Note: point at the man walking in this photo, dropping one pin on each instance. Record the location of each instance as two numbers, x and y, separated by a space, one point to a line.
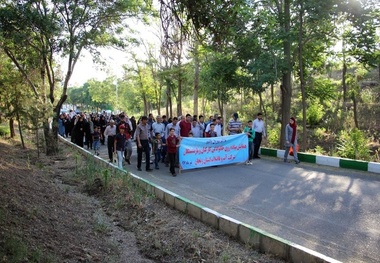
142 139
110 133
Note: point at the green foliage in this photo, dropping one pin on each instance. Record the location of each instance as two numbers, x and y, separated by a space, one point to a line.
274 136
14 250
219 76
314 113
319 133
322 90
354 145
318 150
4 131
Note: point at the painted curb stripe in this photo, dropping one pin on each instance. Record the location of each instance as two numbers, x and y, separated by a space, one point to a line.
352 164
327 160
269 152
374 167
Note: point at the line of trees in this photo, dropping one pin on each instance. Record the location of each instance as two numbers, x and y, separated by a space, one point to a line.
227 52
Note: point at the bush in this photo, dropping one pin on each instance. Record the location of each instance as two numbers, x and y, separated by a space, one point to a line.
4 131
319 133
314 113
274 136
354 145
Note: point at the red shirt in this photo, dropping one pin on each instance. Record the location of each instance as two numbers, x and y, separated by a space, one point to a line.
171 143
185 128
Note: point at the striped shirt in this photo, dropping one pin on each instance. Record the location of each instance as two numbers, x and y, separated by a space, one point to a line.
234 124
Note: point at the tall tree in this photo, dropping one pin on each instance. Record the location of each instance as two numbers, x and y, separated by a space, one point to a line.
35 33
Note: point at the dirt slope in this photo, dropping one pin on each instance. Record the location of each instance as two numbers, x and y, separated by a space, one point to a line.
43 219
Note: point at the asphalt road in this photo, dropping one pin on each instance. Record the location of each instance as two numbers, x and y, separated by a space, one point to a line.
333 211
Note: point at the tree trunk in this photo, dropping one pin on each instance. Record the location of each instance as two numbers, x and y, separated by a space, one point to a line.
167 106
203 106
51 136
12 128
20 130
272 96
145 105
159 99
179 97
196 78
344 72
263 110
262 107
167 101
302 79
286 88
171 106
179 61
355 111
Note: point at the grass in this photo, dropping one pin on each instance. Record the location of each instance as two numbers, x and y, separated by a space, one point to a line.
14 250
101 224
100 180
4 131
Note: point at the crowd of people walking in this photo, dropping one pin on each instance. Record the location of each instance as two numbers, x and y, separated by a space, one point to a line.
160 137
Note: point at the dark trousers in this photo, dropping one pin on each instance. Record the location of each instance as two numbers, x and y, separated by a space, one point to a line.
89 141
102 129
172 157
157 158
257 143
110 145
144 148
164 149
250 150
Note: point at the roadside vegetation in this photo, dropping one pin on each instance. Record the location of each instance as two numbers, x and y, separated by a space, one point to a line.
68 209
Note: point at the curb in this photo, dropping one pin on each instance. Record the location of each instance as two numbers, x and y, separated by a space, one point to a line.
257 238
327 160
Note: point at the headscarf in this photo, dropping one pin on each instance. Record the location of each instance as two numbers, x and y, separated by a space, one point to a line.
294 127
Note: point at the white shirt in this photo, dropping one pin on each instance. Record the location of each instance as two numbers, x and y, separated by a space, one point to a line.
110 131
259 126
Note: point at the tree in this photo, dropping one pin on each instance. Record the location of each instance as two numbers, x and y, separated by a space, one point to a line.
35 33
219 77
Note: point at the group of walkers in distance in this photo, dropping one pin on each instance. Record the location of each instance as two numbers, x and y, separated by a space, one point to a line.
160 136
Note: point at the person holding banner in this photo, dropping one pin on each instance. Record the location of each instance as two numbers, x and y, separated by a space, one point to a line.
172 143
211 132
251 136
234 125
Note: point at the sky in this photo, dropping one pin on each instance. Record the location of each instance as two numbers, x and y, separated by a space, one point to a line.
85 69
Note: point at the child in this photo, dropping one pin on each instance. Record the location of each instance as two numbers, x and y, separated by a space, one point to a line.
211 132
119 145
251 135
172 143
157 148
96 136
